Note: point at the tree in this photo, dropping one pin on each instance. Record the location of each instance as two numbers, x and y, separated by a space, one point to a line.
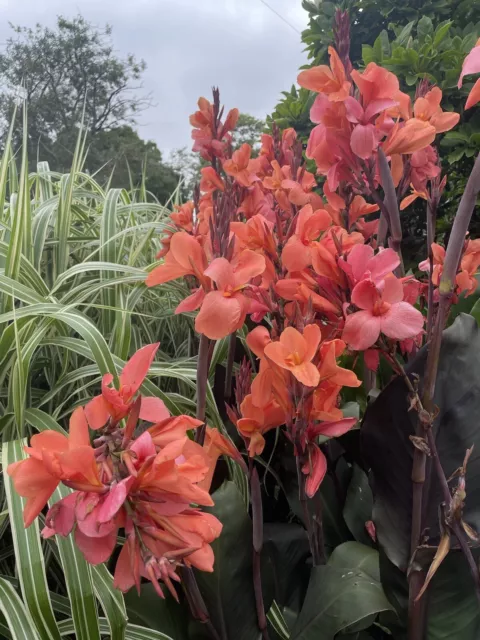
416 39
70 74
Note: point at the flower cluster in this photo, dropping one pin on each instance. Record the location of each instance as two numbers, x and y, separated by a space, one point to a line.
151 486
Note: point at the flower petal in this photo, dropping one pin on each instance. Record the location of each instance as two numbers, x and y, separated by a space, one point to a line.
361 330
153 410
136 369
365 295
96 550
402 321
219 315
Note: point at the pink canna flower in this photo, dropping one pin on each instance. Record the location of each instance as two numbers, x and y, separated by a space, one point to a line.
382 311
115 404
471 64
296 254
224 311
362 262
315 466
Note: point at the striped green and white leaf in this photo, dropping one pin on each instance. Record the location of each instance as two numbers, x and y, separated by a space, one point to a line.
28 551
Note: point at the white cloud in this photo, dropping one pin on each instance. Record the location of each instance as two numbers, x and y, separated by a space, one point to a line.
190 45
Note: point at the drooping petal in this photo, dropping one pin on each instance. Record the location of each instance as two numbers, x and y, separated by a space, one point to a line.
474 95
219 315
61 516
337 428
114 500
203 559
96 550
471 64
316 467
136 369
123 578
258 339
191 302
153 409
32 481
363 141
402 321
361 330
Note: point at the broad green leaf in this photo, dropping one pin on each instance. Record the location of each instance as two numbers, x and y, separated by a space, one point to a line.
358 505
344 595
28 550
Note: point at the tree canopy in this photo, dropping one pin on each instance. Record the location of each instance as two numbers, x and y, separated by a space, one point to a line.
69 75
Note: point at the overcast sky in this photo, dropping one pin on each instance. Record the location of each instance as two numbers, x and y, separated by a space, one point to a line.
190 45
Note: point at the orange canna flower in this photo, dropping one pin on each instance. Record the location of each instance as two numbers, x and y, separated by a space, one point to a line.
329 369
115 404
217 445
375 83
407 201
224 311
429 110
331 80
296 254
256 421
54 457
295 352
183 216
414 135
241 167
185 258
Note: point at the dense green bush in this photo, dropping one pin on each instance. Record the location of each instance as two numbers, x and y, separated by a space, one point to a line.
415 40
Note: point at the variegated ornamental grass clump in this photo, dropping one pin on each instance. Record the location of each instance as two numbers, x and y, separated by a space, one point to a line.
300 291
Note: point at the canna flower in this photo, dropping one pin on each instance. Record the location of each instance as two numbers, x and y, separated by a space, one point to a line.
376 84
185 258
295 352
224 311
471 64
210 181
315 466
412 136
365 136
382 311
428 109
256 421
296 254
53 458
424 166
182 217
114 404
241 167
362 263
407 201
330 81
